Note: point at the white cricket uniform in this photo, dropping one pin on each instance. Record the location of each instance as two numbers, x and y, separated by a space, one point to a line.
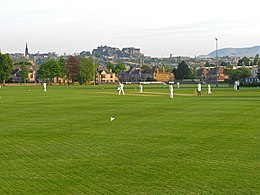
44 87
178 85
199 89
235 85
171 91
209 89
140 88
121 89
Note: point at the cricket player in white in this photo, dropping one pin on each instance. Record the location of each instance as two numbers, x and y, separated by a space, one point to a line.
121 89
171 90
140 88
178 85
209 90
199 89
235 85
44 87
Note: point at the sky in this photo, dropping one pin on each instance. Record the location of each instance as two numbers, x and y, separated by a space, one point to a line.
157 27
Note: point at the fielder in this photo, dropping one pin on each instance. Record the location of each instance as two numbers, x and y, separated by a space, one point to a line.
209 90
121 88
140 88
171 90
235 85
44 87
199 89
178 85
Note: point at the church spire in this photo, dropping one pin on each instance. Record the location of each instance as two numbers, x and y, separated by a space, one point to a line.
26 54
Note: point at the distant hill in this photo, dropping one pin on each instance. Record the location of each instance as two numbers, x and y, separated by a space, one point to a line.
239 52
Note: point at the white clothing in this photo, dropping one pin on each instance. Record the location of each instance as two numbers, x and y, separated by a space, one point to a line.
140 88
171 91
199 87
44 87
235 85
178 85
209 89
121 89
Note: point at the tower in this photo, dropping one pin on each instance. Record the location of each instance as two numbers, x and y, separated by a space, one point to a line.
26 54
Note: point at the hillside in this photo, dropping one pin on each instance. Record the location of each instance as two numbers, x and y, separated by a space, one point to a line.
239 52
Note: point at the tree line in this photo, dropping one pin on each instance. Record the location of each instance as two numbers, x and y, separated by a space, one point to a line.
184 72
73 69
6 66
82 70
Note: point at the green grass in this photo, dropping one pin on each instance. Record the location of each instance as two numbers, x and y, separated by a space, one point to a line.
62 141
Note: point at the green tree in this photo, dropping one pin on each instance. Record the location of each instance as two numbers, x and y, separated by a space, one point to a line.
174 71
49 70
44 71
183 71
119 67
256 60
55 68
86 70
245 73
63 70
23 62
24 73
72 68
244 61
231 73
238 73
110 67
228 70
6 65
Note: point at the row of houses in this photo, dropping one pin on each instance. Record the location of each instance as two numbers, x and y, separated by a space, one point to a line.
207 73
16 74
103 75
132 75
153 74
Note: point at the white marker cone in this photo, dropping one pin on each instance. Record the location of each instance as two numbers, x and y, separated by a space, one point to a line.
111 119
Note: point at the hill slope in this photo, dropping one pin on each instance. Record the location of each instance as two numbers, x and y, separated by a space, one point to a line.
239 52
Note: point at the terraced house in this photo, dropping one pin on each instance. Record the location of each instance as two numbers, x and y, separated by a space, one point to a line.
151 74
105 76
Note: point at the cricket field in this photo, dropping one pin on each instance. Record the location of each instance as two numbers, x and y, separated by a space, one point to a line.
63 142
